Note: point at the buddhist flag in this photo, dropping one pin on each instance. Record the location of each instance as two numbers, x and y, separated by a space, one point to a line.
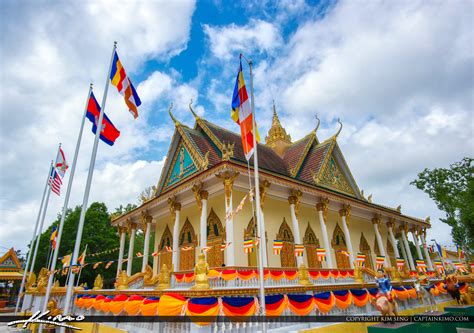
321 254
242 114
119 78
54 235
82 258
379 262
66 260
277 246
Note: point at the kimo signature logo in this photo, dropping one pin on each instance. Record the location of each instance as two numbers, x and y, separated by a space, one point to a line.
43 318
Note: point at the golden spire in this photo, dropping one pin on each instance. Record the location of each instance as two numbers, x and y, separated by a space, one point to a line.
277 137
192 110
176 122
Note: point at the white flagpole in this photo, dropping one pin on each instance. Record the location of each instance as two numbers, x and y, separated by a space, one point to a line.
80 227
33 241
65 206
260 226
80 269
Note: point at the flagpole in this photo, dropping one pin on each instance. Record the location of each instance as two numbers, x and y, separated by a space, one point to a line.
33 239
260 227
65 205
87 190
80 269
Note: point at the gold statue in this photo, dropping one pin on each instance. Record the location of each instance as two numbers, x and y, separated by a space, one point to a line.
303 275
164 278
98 282
200 273
148 278
122 281
31 282
53 308
358 276
42 280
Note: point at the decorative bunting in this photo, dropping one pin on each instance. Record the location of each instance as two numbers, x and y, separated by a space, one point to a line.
400 263
321 254
96 265
168 249
225 246
300 304
360 260
379 262
149 306
205 306
324 301
109 264
277 246
139 255
155 254
299 249
344 253
275 304
439 267
239 306
171 304
343 298
248 245
460 266
421 266
360 297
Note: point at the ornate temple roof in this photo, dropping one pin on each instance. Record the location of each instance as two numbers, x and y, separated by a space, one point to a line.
307 160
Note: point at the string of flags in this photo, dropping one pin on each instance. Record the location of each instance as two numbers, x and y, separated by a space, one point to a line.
460 266
230 215
439 266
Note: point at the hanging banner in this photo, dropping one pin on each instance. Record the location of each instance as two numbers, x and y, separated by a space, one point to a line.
248 245
299 249
379 262
400 263
421 266
277 246
360 260
321 254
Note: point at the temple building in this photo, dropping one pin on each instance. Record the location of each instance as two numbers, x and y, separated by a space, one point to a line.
309 198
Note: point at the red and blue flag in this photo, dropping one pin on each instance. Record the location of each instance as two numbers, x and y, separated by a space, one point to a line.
109 133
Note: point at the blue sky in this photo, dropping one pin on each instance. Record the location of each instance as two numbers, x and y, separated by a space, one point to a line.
397 73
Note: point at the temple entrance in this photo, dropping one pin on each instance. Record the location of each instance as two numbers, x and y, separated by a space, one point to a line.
165 256
364 248
187 246
249 233
391 254
338 243
311 243
215 237
287 255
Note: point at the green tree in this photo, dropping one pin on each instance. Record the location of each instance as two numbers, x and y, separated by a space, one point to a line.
452 189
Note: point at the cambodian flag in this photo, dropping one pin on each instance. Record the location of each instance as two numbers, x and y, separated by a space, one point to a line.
109 133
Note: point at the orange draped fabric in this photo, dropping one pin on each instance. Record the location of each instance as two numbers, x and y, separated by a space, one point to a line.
324 301
149 306
179 278
104 307
189 277
117 303
132 306
98 302
314 274
213 274
291 275
324 274
277 275
245 275
171 305
228 274
343 299
334 273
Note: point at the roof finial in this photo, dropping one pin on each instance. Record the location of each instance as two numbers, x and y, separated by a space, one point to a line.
192 110
176 122
317 125
340 128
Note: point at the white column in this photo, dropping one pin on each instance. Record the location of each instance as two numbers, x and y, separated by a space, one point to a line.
393 240
229 231
122 249
133 228
404 253
175 256
296 229
408 252
321 207
203 221
425 250
347 235
376 224
155 249
417 244
146 245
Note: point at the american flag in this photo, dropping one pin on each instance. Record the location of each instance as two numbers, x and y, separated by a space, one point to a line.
55 182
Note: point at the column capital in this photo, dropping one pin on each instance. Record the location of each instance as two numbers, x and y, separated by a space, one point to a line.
131 226
145 217
121 229
227 178
345 211
323 206
173 206
376 219
295 196
199 194
403 229
391 223
264 185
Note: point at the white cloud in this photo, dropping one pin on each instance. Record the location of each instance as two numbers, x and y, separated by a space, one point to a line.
50 53
257 36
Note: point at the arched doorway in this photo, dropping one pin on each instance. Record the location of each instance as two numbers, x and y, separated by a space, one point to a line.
339 244
249 233
391 254
187 246
311 243
165 256
215 237
364 248
287 255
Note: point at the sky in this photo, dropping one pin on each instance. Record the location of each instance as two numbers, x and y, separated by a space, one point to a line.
399 75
